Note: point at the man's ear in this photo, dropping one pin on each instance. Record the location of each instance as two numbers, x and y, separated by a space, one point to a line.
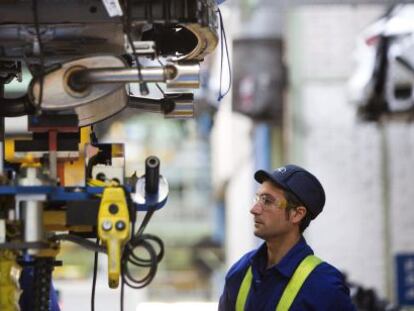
298 214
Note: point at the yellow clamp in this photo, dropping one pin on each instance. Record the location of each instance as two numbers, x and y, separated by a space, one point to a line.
30 161
9 282
114 229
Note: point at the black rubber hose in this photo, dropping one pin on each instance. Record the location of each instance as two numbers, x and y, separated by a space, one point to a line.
152 174
16 107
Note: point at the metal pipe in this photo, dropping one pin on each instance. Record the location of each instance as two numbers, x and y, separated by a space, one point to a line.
119 75
386 210
33 222
175 75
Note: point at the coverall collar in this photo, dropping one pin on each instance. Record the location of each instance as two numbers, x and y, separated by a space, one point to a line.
287 264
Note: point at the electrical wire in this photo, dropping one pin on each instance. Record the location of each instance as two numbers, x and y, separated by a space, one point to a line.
122 294
160 89
223 42
130 257
127 29
35 12
122 279
157 84
95 273
122 269
89 245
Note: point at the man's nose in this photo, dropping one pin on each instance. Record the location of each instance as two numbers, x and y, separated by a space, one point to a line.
255 209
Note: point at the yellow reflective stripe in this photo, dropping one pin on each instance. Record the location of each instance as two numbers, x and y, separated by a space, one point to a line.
299 276
244 290
292 289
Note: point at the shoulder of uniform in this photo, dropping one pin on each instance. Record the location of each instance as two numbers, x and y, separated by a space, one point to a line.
240 266
326 288
325 276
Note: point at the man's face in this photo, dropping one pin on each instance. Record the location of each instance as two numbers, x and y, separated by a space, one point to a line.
271 219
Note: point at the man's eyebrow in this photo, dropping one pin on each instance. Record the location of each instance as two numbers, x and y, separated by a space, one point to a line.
265 194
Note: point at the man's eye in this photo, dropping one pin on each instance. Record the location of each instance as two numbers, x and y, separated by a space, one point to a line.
267 201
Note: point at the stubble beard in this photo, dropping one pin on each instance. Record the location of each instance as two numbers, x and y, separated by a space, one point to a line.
259 234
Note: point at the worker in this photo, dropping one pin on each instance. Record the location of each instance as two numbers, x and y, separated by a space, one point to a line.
283 273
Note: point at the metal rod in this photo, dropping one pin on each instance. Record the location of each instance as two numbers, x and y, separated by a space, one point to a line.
53 154
33 222
386 211
175 75
122 75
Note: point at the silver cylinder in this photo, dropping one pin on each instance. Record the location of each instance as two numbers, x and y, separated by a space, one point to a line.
118 75
175 75
53 165
31 205
32 176
186 76
33 222
2 230
182 110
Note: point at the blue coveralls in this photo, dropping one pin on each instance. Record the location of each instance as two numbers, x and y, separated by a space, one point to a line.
323 290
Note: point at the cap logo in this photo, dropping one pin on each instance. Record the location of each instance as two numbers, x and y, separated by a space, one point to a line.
282 169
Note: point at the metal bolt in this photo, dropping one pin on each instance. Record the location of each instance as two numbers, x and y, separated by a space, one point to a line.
107 225
120 225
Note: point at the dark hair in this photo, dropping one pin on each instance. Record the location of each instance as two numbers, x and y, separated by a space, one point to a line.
292 203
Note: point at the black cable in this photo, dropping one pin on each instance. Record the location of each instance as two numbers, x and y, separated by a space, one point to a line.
122 293
159 61
89 245
95 272
160 89
223 42
41 56
405 63
145 221
130 258
157 84
127 29
131 210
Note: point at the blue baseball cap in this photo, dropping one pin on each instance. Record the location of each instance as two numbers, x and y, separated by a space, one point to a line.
298 181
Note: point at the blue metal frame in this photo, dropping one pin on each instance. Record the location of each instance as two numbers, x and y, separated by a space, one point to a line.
55 193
